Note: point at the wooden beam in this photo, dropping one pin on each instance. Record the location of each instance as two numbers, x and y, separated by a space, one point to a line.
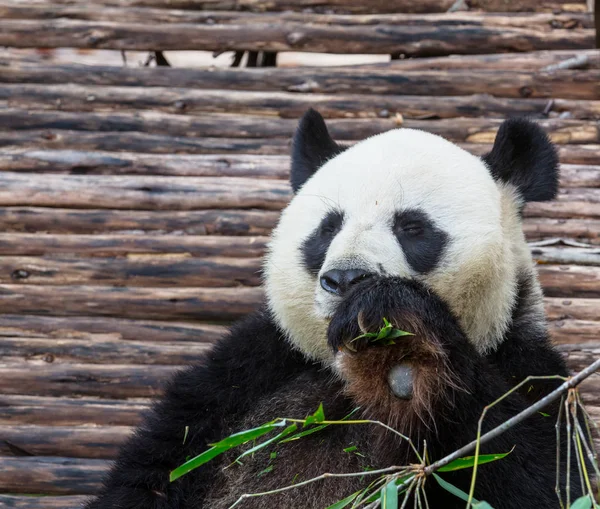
92 221
465 130
345 6
209 304
90 327
91 98
59 476
41 10
66 411
385 38
99 350
390 78
130 245
70 441
45 502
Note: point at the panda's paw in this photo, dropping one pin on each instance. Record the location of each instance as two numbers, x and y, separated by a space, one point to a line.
400 376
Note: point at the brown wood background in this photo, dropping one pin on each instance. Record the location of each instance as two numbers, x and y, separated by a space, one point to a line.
135 203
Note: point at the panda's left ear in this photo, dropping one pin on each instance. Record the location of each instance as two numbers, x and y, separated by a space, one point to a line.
312 147
524 156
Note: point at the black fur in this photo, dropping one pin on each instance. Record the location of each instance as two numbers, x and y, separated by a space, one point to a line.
422 242
524 156
252 376
314 248
312 147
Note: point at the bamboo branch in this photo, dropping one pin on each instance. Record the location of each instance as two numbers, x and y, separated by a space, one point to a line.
513 421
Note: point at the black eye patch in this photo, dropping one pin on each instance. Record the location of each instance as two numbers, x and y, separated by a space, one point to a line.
421 240
314 249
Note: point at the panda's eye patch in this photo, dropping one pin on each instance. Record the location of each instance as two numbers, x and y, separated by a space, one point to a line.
422 242
314 249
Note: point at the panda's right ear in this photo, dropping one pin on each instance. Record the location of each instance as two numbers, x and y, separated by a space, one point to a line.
312 147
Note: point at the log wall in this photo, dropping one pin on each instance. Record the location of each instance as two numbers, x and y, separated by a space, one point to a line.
136 202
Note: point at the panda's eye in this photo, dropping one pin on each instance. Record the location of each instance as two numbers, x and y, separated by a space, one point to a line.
331 224
413 228
329 229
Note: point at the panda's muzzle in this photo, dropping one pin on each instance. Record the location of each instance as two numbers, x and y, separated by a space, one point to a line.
339 282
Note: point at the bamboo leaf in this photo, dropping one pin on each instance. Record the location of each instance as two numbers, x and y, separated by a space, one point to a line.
453 489
482 505
290 429
304 433
584 502
397 333
345 502
389 496
222 446
469 461
318 416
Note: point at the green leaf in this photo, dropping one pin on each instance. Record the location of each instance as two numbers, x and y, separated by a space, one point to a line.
352 448
273 455
222 446
544 414
346 502
265 471
453 489
469 461
383 332
290 429
195 462
249 434
304 433
397 333
481 505
389 496
318 416
584 502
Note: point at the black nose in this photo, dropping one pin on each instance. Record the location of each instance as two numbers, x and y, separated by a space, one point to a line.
339 282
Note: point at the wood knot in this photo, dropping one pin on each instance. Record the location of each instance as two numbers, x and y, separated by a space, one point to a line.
20 274
295 38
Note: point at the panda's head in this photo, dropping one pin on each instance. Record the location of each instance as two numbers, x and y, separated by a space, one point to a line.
410 204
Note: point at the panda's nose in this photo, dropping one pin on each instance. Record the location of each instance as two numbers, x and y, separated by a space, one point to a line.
339 282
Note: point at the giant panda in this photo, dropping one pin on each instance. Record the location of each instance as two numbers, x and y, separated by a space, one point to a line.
403 225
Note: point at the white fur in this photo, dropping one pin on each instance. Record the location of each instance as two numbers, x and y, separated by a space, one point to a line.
369 182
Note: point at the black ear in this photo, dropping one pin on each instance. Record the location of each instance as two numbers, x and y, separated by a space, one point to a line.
311 148
524 156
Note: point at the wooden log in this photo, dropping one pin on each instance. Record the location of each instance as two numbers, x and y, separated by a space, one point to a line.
164 16
563 209
113 382
346 6
99 351
575 332
46 502
64 411
142 142
466 130
207 222
561 308
284 104
585 230
58 476
266 166
211 304
129 163
141 193
136 270
570 280
407 39
358 79
566 256
69 441
86 327
198 246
